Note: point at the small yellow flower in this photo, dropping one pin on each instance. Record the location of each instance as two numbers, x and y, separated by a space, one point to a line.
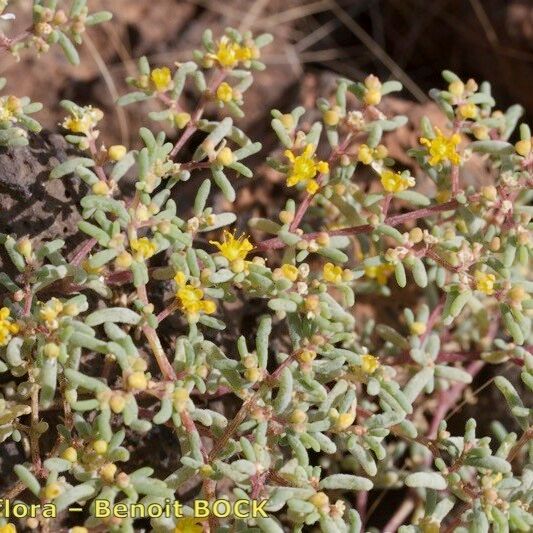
100 188
232 247
117 402
70 454
137 380
144 248
442 148
230 53
380 273
332 273
83 120
418 328
523 147
290 272
225 156
8 328
8 528
161 79
51 350
191 298
50 311
331 117
188 524
77 124
224 92
116 152
108 471
52 491
456 88
369 363
344 421
304 168
100 446
485 282
467 111
395 181
373 94
367 155
182 119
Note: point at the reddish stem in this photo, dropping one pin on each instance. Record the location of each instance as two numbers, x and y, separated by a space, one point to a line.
395 220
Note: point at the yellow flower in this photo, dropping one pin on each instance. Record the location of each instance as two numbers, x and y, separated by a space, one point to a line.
369 363
191 298
380 273
161 78
8 528
367 155
344 421
52 491
224 92
232 247
50 311
116 152
304 168
229 53
373 94
523 147
485 282
442 148
188 524
83 120
144 248
467 111
290 272
332 273
395 181
8 328
77 124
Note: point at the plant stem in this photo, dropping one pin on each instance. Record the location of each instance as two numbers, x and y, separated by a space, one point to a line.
394 220
191 128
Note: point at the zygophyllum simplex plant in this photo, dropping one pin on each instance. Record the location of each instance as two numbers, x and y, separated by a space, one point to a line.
335 408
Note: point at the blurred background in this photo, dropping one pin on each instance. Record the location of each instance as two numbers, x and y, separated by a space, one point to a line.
410 40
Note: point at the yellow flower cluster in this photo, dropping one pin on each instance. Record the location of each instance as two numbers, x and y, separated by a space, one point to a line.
161 79
144 248
485 282
367 155
83 121
442 148
304 168
50 312
229 53
8 528
380 273
191 298
396 181
8 328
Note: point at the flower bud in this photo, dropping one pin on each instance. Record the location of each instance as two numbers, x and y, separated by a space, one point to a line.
225 157
116 152
70 454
